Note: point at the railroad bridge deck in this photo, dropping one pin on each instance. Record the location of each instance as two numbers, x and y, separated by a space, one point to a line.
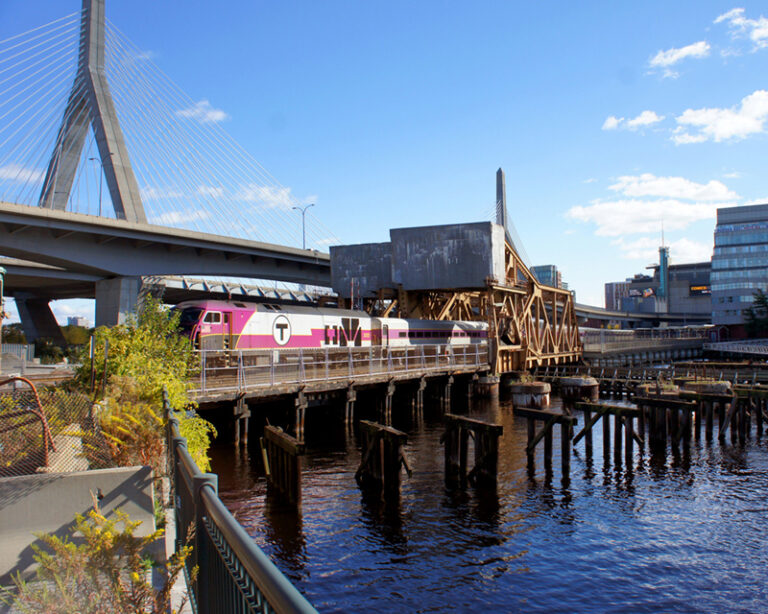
264 374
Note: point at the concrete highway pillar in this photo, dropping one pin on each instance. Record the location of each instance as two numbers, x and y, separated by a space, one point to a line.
37 320
116 298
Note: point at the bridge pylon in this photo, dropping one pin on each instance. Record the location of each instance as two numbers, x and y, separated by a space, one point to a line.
90 102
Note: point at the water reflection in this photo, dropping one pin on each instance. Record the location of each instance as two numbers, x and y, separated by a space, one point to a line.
654 534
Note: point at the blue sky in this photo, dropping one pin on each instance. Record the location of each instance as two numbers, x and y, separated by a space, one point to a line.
607 118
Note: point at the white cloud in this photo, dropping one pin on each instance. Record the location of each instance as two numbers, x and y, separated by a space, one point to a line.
757 201
718 125
269 196
611 123
151 193
671 187
633 216
733 175
670 57
756 30
326 241
170 218
16 172
203 112
673 56
680 251
646 118
213 192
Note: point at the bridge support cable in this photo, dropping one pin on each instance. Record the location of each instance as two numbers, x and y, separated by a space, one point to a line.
35 68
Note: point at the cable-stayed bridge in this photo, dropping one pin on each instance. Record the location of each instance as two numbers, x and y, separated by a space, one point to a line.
108 172
161 190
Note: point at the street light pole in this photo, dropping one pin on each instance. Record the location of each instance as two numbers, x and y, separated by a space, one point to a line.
101 180
2 312
303 211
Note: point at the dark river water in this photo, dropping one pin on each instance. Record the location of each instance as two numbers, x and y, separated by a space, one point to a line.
682 532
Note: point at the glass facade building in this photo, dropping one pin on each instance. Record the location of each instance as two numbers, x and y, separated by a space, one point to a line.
739 261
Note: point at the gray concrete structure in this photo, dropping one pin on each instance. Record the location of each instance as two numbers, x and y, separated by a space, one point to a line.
37 320
423 258
90 101
116 299
451 256
48 503
96 248
366 268
501 199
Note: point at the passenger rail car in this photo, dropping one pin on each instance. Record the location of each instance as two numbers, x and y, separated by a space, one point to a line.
231 325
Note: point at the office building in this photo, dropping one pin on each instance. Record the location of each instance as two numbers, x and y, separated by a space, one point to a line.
739 263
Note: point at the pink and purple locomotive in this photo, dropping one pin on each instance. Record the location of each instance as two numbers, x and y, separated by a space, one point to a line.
234 325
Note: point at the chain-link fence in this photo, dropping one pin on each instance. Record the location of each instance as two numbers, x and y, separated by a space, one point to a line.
48 431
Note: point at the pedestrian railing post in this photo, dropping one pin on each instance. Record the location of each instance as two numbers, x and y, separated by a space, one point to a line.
203 368
205 604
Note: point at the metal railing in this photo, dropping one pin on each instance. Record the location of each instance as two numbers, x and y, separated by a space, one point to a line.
23 351
249 369
754 346
640 344
234 574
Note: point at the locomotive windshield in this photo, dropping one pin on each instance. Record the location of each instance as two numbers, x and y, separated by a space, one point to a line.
189 317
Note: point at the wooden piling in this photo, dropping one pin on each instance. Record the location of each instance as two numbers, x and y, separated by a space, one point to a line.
282 454
628 442
588 435
549 418
241 413
566 435
616 439
458 429
382 459
301 407
349 406
623 419
390 393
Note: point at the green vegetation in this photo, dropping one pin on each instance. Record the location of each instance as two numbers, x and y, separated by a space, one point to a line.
13 333
756 317
76 335
143 357
106 570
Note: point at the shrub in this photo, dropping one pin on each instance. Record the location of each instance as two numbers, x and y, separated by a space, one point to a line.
145 356
106 571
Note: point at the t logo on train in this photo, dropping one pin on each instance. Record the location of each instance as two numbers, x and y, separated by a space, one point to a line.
234 325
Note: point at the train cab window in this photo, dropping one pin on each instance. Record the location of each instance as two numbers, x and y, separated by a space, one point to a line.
212 317
402 335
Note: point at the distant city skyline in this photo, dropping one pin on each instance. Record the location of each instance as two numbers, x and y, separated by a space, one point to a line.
608 120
